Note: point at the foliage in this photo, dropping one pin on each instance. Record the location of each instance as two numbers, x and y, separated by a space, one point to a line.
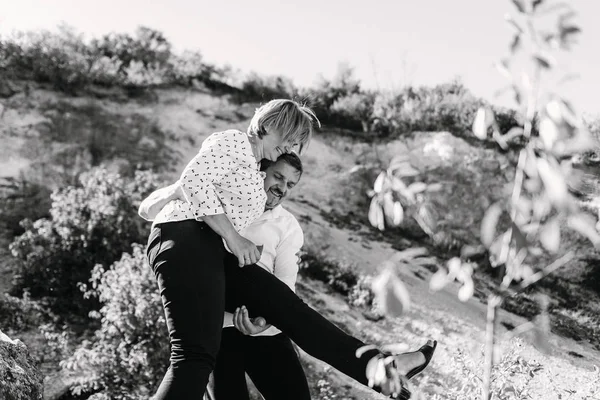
70 63
259 88
129 352
538 205
20 313
20 199
91 223
356 110
512 375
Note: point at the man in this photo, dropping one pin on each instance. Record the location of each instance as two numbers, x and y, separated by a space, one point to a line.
251 345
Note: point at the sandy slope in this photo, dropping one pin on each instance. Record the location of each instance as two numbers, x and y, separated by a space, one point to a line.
190 117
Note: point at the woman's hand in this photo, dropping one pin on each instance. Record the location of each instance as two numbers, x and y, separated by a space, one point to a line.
247 325
246 252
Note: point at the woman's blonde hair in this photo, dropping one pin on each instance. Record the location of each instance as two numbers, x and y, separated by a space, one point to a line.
293 120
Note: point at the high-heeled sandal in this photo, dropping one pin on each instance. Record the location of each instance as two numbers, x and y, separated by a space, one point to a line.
427 350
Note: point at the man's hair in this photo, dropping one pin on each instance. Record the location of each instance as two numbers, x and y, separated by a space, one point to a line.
290 158
294 120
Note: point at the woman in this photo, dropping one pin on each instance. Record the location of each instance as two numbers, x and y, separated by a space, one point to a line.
223 190
252 346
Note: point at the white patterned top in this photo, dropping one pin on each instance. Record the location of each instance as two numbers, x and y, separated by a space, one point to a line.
223 178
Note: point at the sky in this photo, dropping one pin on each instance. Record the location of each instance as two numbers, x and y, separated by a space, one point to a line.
390 43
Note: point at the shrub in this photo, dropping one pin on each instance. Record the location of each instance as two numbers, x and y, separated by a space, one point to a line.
341 278
61 58
130 351
325 93
264 88
91 223
20 314
355 111
20 199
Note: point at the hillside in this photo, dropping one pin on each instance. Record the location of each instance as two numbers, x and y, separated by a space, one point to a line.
47 137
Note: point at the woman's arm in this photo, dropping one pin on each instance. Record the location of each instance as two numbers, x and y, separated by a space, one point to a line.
211 164
151 206
246 252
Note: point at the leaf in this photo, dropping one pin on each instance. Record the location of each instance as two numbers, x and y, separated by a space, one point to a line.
483 120
536 3
550 235
398 214
520 5
410 254
400 165
417 187
548 133
434 187
466 291
515 43
378 185
581 142
391 293
543 61
569 30
392 216
585 224
502 67
376 214
554 182
513 133
362 350
438 280
514 23
488 224
394 348
541 328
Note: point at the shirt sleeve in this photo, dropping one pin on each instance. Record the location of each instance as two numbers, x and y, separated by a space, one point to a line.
208 167
285 267
228 320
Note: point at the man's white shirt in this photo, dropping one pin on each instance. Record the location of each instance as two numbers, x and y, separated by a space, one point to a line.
282 238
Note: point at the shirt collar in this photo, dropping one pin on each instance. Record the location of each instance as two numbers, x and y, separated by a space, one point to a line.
274 212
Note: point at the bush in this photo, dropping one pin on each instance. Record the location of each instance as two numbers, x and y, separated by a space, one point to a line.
69 63
355 110
129 352
20 199
91 223
21 314
264 88
62 58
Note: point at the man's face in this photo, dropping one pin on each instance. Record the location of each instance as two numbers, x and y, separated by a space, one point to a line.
281 178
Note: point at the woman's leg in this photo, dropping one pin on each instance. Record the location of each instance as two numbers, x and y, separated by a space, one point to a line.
230 374
187 260
265 295
273 365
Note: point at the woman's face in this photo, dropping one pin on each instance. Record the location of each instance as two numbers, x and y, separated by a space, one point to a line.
274 145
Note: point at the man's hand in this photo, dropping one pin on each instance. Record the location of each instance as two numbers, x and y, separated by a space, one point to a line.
247 325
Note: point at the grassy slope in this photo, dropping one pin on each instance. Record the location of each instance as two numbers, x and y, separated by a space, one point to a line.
189 117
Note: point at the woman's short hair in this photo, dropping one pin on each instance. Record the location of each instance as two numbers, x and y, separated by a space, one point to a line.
291 159
295 121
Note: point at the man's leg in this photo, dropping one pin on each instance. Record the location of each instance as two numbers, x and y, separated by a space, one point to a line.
229 374
273 365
